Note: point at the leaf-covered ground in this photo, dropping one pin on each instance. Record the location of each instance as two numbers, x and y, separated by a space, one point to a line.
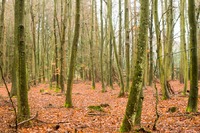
53 117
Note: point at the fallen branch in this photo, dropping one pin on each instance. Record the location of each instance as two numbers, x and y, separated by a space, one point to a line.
96 114
61 122
188 114
35 116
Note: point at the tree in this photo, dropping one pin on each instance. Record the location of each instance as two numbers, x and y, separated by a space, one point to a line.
184 61
193 96
22 92
91 47
63 49
127 44
34 42
112 37
2 33
120 34
110 42
56 44
151 46
101 52
169 40
68 102
165 93
136 87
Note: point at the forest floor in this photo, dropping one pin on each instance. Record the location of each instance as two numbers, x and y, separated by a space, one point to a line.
53 117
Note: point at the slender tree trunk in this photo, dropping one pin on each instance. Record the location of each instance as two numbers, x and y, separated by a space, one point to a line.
68 102
110 42
43 40
38 44
15 64
159 53
34 43
151 46
136 87
91 47
169 43
63 50
135 37
127 43
112 37
184 61
120 35
193 96
56 44
2 53
22 92
101 52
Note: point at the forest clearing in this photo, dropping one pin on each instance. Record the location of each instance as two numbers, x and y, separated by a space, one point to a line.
80 119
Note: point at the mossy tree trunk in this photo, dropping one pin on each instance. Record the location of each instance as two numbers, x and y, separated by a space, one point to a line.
112 37
137 84
68 102
22 92
168 45
165 93
193 96
134 49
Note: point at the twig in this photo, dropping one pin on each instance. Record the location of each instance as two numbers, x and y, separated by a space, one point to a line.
61 122
156 106
193 114
157 115
13 106
35 116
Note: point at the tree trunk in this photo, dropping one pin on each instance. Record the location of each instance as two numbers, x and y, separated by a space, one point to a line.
22 92
165 93
193 96
127 43
63 50
101 52
91 48
68 102
56 45
184 61
136 88
34 43
169 43
151 46
2 53
120 34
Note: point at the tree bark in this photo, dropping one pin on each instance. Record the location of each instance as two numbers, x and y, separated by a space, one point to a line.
193 96
22 92
68 102
136 87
